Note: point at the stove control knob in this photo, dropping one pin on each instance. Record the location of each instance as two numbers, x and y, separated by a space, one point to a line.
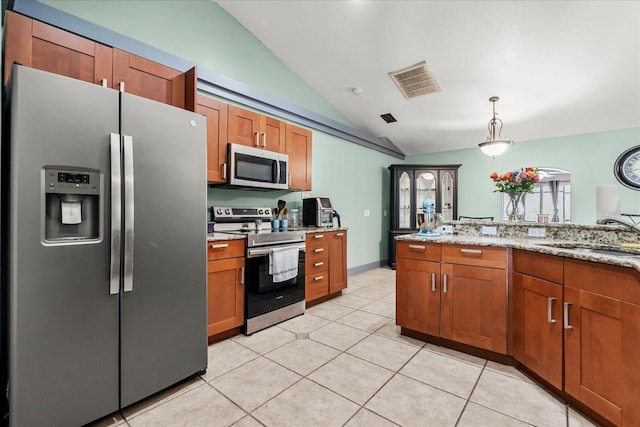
219 211
266 212
227 211
260 211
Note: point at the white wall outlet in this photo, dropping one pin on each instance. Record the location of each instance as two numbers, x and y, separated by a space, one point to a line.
446 229
304 194
367 212
489 231
537 232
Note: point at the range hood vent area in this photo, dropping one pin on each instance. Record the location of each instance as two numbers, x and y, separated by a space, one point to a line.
415 80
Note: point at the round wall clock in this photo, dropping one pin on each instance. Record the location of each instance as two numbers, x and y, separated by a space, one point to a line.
627 168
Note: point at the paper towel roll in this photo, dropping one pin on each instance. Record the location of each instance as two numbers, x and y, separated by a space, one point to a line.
607 201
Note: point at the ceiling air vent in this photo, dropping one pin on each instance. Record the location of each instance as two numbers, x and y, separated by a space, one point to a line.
388 118
415 80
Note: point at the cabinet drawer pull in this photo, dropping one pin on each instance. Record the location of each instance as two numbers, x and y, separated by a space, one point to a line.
566 315
219 246
318 278
444 283
471 251
257 139
339 234
550 302
318 264
421 247
318 250
433 282
318 236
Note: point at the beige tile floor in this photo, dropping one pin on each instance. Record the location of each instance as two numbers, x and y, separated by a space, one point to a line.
343 363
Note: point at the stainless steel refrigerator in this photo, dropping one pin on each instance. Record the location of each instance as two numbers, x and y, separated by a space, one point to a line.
104 240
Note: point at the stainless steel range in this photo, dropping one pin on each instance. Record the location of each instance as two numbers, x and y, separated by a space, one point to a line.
267 301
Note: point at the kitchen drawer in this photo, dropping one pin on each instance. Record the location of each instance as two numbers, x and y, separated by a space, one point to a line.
221 249
317 239
542 266
316 286
484 256
418 250
316 266
315 253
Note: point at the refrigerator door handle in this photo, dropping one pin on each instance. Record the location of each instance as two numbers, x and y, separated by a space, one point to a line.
128 213
116 209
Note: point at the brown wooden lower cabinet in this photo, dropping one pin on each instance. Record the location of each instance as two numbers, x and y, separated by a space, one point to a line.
225 286
602 339
325 264
418 295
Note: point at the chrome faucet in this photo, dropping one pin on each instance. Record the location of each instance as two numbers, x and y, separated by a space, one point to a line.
613 220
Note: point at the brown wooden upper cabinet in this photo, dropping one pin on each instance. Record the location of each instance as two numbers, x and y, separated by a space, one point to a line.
44 47
298 144
216 113
256 130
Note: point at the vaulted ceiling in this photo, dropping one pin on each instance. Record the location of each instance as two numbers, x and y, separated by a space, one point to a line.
559 67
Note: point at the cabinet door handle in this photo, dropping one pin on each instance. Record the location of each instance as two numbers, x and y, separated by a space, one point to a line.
471 251
566 315
318 236
550 302
219 246
421 247
318 250
339 234
318 278
318 264
242 275
264 140
105 83
433 282
257 139
444 283
224 171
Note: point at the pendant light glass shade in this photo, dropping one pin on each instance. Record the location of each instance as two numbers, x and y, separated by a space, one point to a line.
494 146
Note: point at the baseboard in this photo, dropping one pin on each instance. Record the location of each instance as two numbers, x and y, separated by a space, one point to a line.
366 267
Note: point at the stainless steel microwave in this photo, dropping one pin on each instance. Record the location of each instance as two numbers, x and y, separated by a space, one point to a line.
254 167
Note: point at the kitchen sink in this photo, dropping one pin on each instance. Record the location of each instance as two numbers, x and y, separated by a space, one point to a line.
595 248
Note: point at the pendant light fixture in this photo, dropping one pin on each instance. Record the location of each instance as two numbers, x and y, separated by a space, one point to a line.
495 146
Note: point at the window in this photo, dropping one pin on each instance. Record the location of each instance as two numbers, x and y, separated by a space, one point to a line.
542 201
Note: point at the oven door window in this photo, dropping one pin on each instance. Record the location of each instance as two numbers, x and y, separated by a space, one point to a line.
255 168
259 281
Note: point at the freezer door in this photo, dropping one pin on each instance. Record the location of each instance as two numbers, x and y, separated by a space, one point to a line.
63 321
163 311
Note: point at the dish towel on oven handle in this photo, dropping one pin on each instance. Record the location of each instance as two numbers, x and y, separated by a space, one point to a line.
283 263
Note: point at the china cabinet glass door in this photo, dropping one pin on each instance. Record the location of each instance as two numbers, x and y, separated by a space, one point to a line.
446 194
404 201
425 189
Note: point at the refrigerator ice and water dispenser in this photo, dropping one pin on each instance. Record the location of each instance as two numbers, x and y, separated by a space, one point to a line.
72 205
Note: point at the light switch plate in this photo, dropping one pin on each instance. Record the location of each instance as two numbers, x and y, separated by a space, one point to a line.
537 232
489 231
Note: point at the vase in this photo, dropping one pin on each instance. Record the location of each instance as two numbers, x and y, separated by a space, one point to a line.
515 210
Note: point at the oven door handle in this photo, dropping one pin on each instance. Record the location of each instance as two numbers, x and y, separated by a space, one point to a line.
281 242
256 252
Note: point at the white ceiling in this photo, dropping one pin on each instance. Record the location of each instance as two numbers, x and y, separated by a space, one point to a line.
559 67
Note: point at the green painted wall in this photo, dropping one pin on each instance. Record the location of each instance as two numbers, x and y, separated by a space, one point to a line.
355 178
588 157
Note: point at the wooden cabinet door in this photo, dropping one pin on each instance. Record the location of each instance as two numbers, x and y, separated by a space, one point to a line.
216 113
418 295
474 306
272 134
337 261
244 126
155 81
602 350
537 326
44 47
298 148
225 295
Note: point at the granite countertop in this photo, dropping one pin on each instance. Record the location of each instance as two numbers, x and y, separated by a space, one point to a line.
224 236
578 249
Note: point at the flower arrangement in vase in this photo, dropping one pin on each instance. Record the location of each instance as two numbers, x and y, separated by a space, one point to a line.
515 183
